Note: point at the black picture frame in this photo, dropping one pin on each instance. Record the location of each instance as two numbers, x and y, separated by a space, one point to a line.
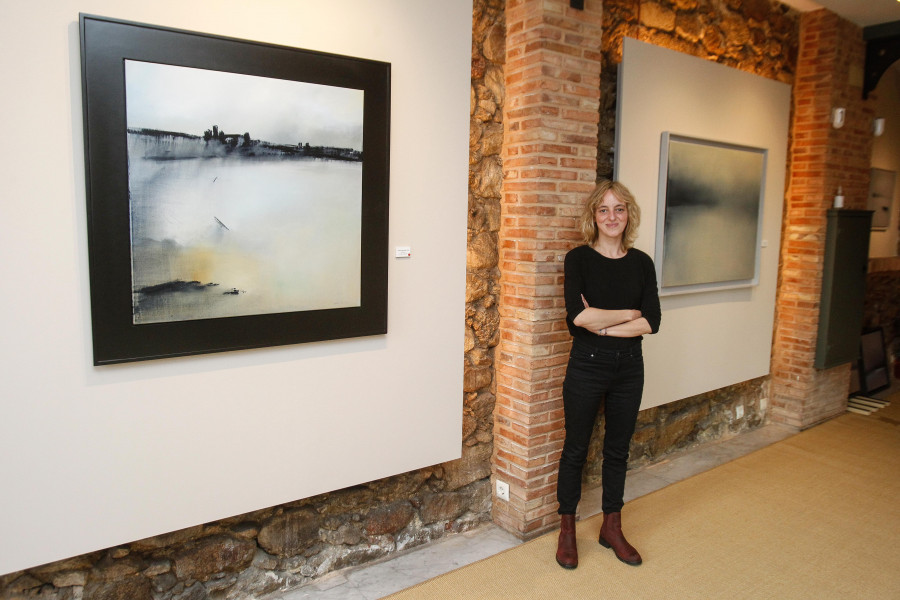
105 46
874 374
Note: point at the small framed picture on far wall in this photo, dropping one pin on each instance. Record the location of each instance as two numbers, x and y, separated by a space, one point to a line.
881 197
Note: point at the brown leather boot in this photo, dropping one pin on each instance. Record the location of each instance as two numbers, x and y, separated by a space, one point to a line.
611 537
567 550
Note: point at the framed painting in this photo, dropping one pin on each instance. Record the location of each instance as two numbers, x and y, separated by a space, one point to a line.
881 197
709 217
237 192
874 374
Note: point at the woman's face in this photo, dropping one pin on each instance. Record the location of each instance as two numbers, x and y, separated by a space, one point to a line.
611 216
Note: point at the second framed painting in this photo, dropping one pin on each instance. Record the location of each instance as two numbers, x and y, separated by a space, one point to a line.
237 192
709 219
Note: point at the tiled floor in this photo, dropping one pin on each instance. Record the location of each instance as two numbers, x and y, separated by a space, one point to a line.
374 581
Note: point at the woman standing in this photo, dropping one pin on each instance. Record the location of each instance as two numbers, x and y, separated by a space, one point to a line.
611 302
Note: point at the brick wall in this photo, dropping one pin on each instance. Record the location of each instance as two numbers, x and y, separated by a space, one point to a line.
550 145
829 75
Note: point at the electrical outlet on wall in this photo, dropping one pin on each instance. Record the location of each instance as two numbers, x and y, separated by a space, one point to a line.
503 490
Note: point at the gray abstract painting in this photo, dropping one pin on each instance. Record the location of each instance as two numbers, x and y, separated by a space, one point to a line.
710 214
245 193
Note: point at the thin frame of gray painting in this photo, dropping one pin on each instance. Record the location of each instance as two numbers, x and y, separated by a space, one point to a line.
709 215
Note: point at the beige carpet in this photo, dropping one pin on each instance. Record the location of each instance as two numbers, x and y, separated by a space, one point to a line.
815 516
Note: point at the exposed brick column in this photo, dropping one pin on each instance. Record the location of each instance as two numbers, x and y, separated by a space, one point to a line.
550 146
829 75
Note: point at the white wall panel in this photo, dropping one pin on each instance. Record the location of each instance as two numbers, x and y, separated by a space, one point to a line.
91 457
708 340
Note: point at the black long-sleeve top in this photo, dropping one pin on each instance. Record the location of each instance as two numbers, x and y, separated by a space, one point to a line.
612 284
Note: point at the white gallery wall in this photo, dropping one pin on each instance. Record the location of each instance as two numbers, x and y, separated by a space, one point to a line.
91 457
711 339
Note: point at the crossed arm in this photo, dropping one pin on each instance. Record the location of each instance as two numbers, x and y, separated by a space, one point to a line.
616 323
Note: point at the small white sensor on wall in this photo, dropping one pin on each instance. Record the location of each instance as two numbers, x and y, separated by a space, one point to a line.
837 117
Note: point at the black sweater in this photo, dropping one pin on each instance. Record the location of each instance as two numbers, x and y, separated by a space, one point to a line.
612 284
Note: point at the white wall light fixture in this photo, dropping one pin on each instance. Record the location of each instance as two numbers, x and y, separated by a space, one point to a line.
878 126
837 117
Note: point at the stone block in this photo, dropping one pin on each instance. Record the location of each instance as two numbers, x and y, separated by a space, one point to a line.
289 533
22 584
474 464
482 406
495 43
76 563
492 140
468 340
163 583
389 519
400 487
469 425
347 534
129 588
256 583
69 578
110 570
657 16
448 506
491 175
194 592
494 82
213 555
475 379
481 357
486 325
481 252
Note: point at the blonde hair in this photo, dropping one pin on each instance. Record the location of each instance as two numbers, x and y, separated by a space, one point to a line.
589 230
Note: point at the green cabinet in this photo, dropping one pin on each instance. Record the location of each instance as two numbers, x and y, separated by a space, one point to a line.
843 287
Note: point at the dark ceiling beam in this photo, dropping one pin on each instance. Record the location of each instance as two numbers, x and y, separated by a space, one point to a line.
882 50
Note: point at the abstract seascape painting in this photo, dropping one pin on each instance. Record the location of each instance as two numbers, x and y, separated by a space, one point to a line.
237 192
710 214
245 193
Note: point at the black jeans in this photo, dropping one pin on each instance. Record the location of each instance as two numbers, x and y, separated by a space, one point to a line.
592 374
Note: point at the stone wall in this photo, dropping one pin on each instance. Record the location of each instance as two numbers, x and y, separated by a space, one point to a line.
263 551
293 544
758 36
482 327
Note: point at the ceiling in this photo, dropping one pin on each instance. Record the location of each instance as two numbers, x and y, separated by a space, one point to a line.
862 12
